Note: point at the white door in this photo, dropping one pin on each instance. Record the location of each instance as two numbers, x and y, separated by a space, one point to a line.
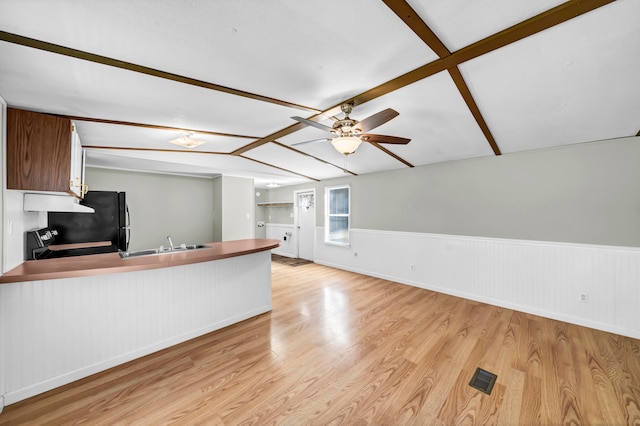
305 223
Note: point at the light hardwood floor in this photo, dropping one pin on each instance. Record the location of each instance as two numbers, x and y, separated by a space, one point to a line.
343 348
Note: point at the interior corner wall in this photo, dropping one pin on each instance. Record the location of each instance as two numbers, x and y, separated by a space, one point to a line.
217 209
261 214
161 205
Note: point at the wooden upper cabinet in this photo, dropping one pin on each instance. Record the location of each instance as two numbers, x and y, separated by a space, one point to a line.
39 153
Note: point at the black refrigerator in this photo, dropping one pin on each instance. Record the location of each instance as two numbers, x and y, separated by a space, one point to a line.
110 222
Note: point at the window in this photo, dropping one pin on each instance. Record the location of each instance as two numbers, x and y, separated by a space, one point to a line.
337 216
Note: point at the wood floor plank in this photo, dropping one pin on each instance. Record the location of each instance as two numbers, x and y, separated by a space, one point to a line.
344 348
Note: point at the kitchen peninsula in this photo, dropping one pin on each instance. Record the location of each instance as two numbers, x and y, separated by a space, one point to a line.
65 319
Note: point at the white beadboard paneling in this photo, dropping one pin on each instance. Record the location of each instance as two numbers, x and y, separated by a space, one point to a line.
278 231
542 278
58 331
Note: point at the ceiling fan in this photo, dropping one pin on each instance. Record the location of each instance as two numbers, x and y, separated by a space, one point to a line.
347 134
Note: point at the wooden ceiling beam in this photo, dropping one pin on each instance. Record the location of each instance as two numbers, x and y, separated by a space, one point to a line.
315 158
386 151
169 150
415 22
104 60
279 168
461 84
180 151
543 21
153 126
270 138
536 24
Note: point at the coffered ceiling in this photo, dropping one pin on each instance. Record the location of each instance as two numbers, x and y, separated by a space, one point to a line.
469 78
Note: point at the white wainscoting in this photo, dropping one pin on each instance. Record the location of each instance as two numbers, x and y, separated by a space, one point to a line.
58 331
278 231
541 278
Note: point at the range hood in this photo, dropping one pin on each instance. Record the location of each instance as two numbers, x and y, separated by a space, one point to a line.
53 203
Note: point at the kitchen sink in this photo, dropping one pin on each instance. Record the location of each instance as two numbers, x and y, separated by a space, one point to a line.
161 250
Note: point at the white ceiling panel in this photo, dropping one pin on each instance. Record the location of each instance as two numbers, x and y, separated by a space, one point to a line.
39 80
192 164
303 52
572 83
282 157
121 136
460 23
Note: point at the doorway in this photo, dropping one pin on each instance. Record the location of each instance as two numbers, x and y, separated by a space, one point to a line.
305 223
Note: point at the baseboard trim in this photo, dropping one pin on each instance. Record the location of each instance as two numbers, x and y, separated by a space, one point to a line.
495 302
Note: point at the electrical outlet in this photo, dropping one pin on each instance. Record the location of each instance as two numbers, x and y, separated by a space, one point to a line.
583 297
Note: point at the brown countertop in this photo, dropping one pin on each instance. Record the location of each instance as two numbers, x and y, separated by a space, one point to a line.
110 263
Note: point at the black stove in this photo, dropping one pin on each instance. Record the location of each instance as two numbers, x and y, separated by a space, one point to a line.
38 242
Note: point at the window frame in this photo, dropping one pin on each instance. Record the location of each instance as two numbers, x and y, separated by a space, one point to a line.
328 216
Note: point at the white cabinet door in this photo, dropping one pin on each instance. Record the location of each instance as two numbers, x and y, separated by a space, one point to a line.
76 178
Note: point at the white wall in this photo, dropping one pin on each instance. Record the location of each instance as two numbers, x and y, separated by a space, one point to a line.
538 277
285 233
17 222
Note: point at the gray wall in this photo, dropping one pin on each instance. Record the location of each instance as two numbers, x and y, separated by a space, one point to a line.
161 205
280 215
238 206
583 193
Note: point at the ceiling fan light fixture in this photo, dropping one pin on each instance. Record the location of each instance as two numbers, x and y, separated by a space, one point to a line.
187 141
346 144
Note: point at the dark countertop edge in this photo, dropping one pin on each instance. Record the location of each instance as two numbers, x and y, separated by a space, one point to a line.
111 263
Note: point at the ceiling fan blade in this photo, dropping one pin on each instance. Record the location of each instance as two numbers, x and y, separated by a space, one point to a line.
376 120
384 139
311 141
313 124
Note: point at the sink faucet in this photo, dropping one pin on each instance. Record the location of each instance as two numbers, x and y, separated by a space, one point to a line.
170 242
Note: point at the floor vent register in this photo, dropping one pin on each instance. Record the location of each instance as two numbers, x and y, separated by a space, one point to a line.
483 380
